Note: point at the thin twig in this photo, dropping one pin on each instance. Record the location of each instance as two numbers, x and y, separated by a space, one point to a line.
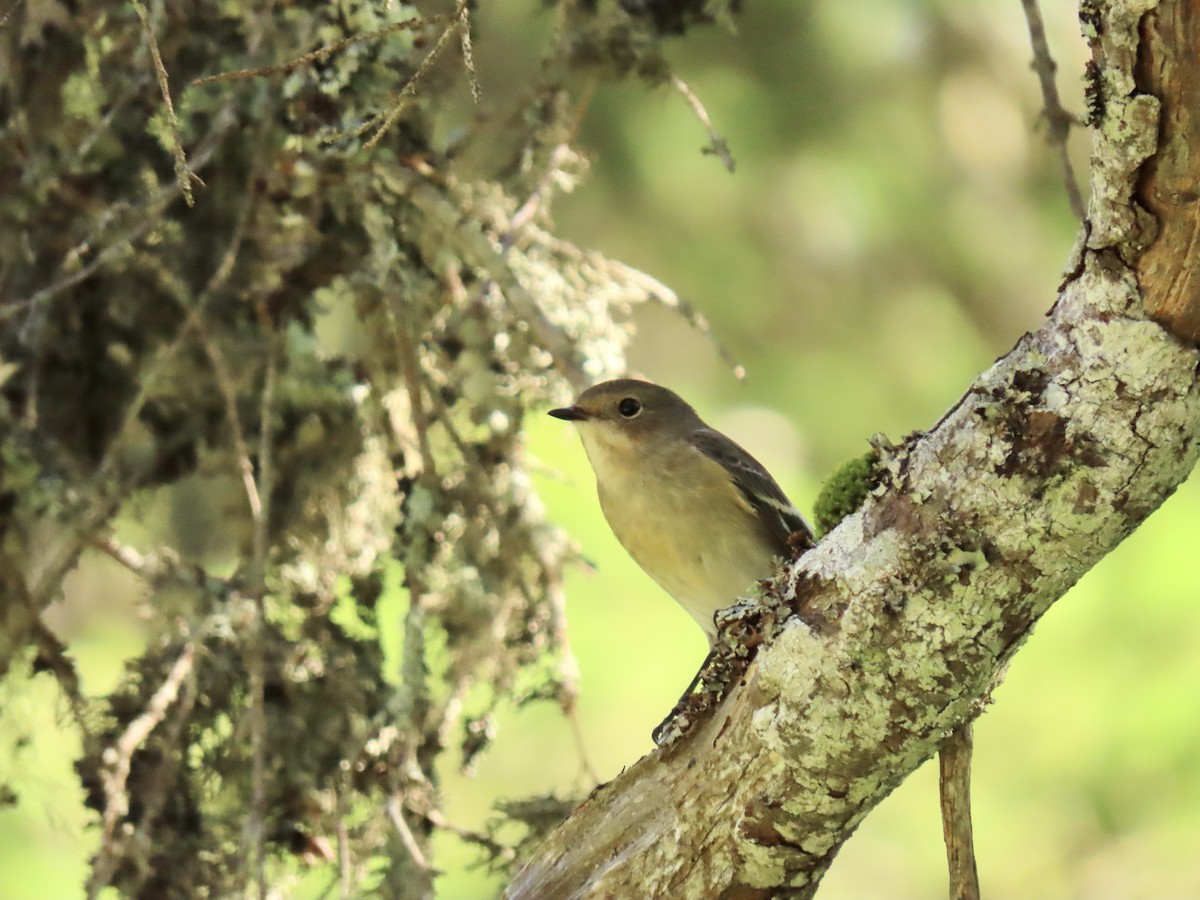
225 385
256 581
717 145
194 321
221 372
568 671
52 653
954 759
152 795
225 268
256 817
497 850
410 87
566 702
321 52
152 567
184 176
464 30
116 804
407 838
148 376
145 221
1058 120
568 674
127 556
345 870
266 470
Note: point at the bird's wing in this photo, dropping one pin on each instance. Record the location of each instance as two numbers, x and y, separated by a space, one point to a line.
761 491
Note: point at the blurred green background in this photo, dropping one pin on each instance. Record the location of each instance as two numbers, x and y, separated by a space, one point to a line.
894 224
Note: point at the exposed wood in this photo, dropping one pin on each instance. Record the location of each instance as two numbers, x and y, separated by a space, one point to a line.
1170 184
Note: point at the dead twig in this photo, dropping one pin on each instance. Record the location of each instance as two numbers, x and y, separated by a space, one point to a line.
717 145
221 371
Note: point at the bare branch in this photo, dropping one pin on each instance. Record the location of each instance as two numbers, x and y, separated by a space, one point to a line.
717 145
954 762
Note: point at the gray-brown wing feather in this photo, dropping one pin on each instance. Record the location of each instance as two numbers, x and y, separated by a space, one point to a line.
767 498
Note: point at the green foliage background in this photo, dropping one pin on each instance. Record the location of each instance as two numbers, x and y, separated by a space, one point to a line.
894 223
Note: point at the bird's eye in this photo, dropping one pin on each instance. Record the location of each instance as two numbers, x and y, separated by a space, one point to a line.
629 407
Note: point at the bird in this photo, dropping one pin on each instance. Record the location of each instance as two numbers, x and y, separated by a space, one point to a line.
700 515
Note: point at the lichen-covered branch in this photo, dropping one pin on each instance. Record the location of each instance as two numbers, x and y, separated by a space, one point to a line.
904 617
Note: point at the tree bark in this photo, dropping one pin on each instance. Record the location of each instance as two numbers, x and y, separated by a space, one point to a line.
906 614
1167 185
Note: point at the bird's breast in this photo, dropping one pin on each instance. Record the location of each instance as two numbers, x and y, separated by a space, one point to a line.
686 524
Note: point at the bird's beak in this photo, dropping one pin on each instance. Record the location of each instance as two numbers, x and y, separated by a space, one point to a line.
571 414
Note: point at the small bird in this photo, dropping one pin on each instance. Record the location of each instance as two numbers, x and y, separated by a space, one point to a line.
699 514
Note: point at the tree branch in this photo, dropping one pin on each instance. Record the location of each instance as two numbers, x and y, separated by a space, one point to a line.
954 769
908 612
